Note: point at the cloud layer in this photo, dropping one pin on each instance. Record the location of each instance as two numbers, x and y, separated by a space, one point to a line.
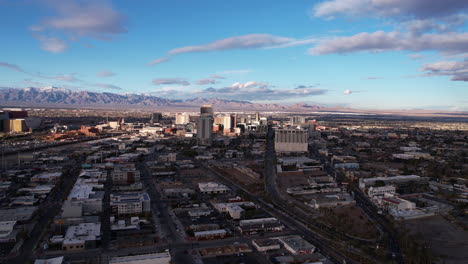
251 41
105 74
158 61
170 81
257 91
107 86
96 19
390 8
457 69
448 43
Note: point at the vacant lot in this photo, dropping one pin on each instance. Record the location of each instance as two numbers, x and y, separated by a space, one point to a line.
448 241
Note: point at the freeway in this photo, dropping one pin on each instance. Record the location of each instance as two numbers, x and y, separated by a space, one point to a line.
368 207
283 214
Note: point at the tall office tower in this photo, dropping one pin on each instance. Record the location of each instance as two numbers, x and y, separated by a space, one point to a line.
242 119
227 122
182 118
206 110
291 140
234 121
156 118
297 120
218 120
257 117
205 130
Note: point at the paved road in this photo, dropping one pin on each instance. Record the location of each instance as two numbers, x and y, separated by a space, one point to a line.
106 213
46 212
159 208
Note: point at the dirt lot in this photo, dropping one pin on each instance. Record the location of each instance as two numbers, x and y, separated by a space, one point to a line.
448 241
291 180
350 220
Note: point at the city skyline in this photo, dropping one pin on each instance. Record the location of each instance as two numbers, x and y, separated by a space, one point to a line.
353 53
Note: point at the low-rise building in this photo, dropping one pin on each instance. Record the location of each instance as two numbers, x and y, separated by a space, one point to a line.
82 236
130 203
332 200
46 177
212 188
234 209
397 180
210 234
125 176
379 191
56 260
154 258
392 201
266 244
297 245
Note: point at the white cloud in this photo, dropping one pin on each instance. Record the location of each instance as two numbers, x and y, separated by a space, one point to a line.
447 43
170 81
457 69
52 44
258 91
107 86
239 85
11 66
158 61
206 81
105 74
97 19
390 8
251 41
65 78
416 56
76 19
346 92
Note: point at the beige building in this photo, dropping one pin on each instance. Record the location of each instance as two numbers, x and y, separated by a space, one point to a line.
291 140
14 125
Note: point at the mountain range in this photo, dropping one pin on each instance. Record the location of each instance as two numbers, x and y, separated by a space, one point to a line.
60 97
54 97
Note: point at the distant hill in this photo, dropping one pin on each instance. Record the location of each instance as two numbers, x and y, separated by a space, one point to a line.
54 97
60 97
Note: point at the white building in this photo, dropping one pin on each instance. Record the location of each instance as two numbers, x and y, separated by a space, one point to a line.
82 236
297 245
57 260
212 188
84 192
379 191
233 209
291 140
258 221
154 258
130 203
391 201
182 118
210 234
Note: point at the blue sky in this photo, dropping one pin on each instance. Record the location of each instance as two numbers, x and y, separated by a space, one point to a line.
355 53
